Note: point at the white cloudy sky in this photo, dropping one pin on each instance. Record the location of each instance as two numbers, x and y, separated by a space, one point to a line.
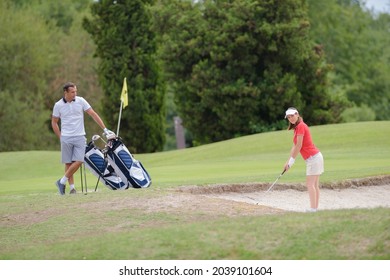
378 5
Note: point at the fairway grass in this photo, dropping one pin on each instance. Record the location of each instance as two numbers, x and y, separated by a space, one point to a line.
37 223
100 227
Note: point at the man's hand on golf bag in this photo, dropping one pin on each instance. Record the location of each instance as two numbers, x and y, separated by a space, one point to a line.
109 134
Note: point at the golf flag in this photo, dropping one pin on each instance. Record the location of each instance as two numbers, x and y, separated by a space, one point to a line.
124 98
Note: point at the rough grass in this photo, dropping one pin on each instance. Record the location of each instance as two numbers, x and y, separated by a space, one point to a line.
171 221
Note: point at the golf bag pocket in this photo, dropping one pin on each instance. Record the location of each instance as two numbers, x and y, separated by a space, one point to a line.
94 160
126 166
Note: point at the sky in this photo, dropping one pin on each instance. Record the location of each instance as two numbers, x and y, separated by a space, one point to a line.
378 5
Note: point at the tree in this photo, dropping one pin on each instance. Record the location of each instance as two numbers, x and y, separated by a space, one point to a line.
235 66
126 47
357 43
42 46
27 56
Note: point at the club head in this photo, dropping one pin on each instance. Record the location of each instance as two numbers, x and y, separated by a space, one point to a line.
95 137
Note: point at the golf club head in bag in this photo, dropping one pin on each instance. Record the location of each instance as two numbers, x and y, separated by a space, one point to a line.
126 166
95 161
96 138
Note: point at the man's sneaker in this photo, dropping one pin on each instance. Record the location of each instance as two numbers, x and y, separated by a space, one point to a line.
61 187
311 210
72 191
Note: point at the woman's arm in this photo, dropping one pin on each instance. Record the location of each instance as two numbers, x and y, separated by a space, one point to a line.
294 152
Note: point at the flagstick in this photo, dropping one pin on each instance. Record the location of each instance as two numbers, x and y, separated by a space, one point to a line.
124 101
119 120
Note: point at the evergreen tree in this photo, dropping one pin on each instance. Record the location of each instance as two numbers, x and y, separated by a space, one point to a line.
235 66
126 47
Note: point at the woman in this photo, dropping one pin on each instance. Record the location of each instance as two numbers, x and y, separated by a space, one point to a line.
311 154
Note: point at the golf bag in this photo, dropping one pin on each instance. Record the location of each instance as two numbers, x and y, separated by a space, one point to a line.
95 161
126 166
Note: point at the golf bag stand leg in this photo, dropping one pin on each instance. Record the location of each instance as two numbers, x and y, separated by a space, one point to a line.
83 178
97 183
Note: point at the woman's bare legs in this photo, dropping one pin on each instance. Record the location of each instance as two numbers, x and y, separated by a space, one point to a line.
317 187
312 184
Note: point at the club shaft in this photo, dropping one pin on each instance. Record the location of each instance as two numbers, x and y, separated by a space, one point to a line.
273 184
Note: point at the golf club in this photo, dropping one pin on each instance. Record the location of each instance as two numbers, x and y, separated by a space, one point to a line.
276 181
97 137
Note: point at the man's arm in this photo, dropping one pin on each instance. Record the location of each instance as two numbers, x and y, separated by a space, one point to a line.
55 126
108 133
96 118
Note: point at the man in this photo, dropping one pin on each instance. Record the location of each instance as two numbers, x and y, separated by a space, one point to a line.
70 109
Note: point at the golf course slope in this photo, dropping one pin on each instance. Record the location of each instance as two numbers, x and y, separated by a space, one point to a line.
208 202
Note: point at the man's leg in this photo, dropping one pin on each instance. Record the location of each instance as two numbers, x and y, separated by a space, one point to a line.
78 159
73 151
70 179
73 167
70 169
66 156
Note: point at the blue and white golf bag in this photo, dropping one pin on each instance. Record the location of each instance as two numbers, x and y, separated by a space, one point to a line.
95 161
126 166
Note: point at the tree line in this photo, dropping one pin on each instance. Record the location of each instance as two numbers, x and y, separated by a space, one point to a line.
228 68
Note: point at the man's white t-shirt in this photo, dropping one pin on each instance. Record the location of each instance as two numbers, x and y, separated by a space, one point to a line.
71 115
